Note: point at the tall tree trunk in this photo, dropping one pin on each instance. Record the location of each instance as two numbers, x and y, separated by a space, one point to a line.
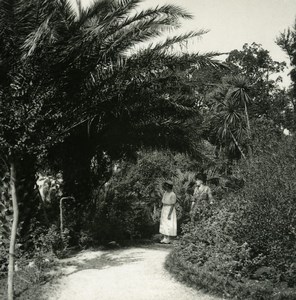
237 145
249 129
13 183
28 199
247 119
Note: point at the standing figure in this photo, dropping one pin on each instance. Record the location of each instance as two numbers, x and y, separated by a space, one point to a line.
202 199
168 218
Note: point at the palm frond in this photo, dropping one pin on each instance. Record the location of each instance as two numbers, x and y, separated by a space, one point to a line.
176 40
107 9
175 11
139 33
109 35
98 7
111 24
66 12
170 12
37 37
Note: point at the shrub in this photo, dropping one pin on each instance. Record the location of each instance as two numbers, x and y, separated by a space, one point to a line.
246 248
35 270
128 206
267 201
48 240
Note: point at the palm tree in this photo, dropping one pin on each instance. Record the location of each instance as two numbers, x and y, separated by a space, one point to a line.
54 61
94 63
118 90
238 90
230 117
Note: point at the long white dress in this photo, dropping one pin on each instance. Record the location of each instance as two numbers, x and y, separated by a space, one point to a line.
168 227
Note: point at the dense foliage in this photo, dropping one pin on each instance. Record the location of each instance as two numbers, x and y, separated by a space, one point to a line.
65 71
248 91
246 247
128 205
81 99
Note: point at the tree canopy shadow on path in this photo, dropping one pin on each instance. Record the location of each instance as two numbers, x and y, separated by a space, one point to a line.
103 258
101 262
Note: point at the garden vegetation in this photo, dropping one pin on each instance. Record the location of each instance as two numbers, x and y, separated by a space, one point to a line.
94 118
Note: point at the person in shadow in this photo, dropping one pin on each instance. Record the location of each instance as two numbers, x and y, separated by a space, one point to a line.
202 199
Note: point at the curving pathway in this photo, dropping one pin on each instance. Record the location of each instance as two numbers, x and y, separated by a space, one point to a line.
125 274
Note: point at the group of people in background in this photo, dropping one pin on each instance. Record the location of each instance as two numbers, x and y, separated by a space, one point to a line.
202 195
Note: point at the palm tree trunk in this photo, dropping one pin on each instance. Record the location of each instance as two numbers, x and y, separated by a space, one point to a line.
237 145
10 281
247 119
249 129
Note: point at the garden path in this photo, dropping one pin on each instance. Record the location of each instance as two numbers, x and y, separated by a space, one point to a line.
125 274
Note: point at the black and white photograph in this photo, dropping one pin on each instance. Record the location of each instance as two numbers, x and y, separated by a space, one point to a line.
148 149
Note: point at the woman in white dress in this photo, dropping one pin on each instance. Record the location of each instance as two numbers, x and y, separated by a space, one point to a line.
168 218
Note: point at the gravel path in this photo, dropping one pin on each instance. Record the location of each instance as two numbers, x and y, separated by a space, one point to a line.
128 274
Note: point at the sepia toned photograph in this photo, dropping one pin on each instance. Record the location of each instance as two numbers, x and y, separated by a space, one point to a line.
148 149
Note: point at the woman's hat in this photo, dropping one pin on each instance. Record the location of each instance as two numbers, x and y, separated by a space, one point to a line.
169 183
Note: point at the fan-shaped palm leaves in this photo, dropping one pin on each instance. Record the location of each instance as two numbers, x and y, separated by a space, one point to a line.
230 118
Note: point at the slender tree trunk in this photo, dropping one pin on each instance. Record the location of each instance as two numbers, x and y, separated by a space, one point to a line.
10 281
248 120
28 198
237 145
249 129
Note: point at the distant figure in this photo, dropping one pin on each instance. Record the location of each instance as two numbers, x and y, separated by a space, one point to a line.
202 199
168 218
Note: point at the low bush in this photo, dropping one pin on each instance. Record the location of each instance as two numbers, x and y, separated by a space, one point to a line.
34 267
48 240
30 275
